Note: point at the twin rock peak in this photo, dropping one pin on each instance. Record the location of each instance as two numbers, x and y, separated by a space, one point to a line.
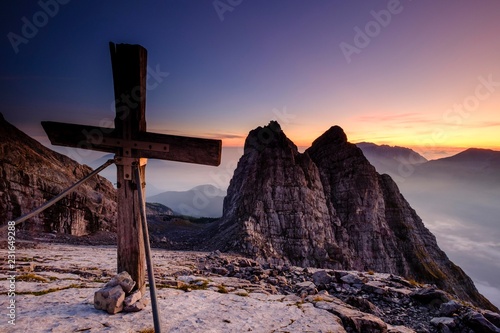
328 207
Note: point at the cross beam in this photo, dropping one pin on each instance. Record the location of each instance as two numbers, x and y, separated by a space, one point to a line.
132 145
146 144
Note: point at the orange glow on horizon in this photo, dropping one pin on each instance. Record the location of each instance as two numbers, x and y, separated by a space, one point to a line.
430 146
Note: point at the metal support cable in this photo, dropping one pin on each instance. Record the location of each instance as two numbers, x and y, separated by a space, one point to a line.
61 195
149 262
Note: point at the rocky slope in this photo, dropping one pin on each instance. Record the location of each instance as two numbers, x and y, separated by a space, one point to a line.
328 207
157 210
31 174
215 292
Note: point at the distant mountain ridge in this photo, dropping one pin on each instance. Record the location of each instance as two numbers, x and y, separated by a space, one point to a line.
475 155
397 153
200 201
328 207
395 161
401 162
478 165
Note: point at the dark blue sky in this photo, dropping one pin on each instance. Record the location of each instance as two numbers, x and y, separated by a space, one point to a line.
264 59
64 71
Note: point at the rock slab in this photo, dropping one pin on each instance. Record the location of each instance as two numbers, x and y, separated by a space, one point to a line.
117 295
109 299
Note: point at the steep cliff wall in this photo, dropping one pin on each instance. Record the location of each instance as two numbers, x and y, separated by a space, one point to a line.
31 174
328 207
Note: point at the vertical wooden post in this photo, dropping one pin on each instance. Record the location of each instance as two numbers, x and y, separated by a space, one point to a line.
132 144
129 76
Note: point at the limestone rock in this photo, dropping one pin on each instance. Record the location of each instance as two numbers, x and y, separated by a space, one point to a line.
443 321
135 307
132 298
314 317
124 280
32 174
479 323
109 299
322 278
449 308
351 279
399 329
375 287
360 321
306 285
306 288
431 296
364 305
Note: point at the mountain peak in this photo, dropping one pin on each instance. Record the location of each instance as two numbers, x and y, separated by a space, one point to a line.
472 157
263 132
274 125
478 151
269 136
334 135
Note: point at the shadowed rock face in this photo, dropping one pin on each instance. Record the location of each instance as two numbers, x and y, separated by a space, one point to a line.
31 174
328 207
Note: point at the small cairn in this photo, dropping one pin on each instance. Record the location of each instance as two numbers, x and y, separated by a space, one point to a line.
117 295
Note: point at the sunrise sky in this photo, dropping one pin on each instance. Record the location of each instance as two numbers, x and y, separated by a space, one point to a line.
423 74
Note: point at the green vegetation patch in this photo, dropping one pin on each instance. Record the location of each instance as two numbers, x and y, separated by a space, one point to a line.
222 289
31 277
147 330
199 285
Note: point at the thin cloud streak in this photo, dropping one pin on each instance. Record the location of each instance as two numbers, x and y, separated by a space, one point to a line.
206 134
418 119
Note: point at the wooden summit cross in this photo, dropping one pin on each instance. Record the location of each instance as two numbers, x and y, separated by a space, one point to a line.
132 145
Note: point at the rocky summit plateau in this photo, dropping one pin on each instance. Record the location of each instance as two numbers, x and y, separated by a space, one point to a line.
218 292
